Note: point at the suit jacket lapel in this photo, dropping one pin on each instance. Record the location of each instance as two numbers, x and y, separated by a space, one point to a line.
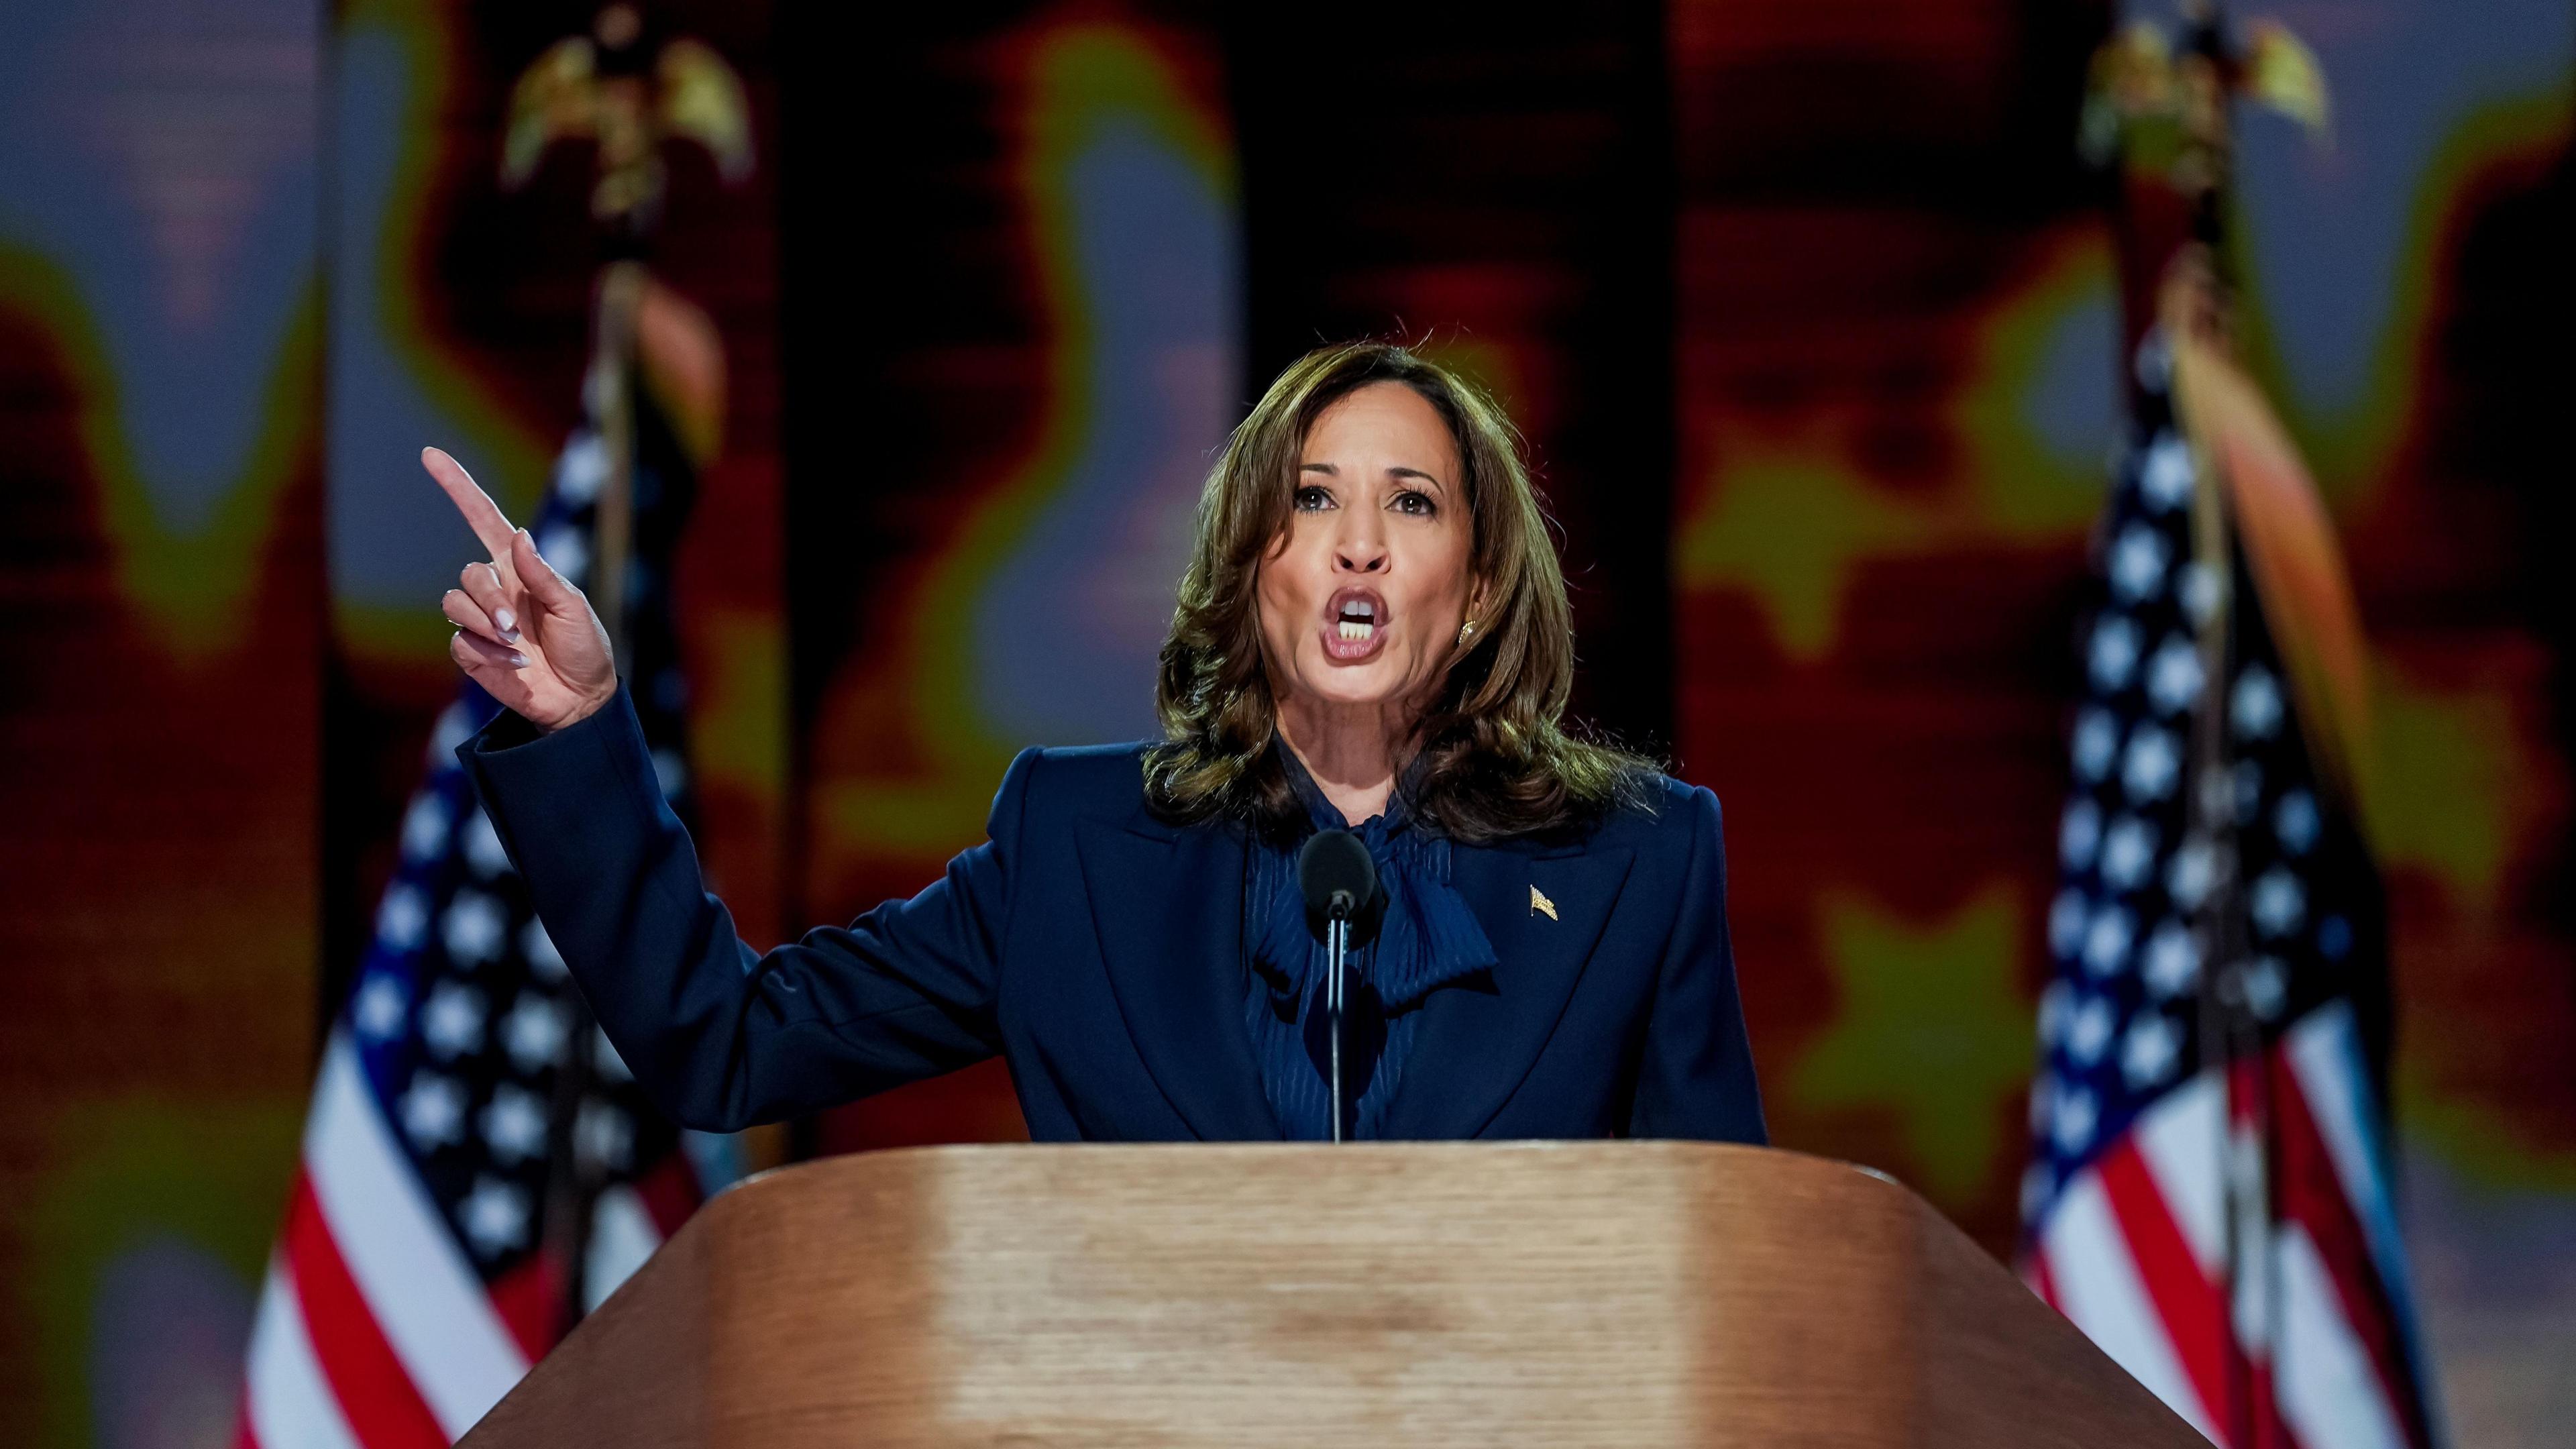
1475 1045
1168 907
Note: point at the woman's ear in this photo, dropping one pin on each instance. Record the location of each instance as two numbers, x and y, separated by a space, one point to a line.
1474 626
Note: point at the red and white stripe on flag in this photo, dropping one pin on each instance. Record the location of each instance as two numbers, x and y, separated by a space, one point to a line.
373 1330
2134 1252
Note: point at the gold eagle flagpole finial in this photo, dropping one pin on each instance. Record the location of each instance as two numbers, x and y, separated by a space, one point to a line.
611 88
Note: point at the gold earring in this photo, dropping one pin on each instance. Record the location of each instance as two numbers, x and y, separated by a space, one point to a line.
1466 629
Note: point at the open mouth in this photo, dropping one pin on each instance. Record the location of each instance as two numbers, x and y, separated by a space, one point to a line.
1356 623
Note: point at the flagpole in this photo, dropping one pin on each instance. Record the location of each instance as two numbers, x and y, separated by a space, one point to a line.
2230 1035
2194 303
573 1183
620 294
623 120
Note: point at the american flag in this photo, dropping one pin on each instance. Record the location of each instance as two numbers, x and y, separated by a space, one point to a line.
2209 1191
423 1262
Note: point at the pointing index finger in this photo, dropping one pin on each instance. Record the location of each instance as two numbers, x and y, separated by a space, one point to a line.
481 513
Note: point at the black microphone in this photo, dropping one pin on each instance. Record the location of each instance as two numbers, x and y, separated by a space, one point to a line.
1337 876
1340 884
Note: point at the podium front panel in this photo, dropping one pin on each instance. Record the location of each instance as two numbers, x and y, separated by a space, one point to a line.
1593 1294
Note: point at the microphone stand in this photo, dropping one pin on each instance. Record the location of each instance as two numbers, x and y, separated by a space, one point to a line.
1337 939
1339 881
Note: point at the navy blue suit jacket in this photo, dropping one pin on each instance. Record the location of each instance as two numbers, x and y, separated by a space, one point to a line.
1098 950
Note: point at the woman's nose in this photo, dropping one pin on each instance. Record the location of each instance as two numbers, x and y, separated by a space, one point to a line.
1359 553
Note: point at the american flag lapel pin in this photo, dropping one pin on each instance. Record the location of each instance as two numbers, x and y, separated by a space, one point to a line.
1540 904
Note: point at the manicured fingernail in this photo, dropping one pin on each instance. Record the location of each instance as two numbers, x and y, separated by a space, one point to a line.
518 660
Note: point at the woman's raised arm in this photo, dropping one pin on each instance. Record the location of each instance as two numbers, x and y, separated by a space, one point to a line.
720 1035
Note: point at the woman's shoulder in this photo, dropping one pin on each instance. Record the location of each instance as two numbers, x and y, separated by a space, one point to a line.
1659 814
1652 815
1104 761
1105 780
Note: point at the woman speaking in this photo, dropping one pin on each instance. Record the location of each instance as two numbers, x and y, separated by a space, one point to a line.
1372 637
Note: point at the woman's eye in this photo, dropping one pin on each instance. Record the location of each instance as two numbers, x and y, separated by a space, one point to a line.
1313 499
1417 503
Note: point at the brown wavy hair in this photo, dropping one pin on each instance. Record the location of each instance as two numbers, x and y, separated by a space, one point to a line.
1501 761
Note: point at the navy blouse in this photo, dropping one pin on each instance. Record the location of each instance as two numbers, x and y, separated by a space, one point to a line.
1426 939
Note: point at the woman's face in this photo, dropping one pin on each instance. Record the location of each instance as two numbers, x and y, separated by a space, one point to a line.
1361 596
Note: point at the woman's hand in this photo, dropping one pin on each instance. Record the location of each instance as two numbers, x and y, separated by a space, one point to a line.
523 633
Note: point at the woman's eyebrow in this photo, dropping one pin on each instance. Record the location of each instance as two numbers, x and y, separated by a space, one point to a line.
1330 471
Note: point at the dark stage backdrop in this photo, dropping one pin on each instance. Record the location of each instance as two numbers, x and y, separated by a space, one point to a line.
1810 316
1014 253
1807 310
222 561
160 568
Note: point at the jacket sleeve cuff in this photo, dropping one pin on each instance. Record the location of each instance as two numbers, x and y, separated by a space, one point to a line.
595 760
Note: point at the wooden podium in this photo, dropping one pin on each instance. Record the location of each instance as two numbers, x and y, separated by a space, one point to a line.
1579 1294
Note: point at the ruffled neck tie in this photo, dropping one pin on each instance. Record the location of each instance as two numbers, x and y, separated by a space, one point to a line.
1426 938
